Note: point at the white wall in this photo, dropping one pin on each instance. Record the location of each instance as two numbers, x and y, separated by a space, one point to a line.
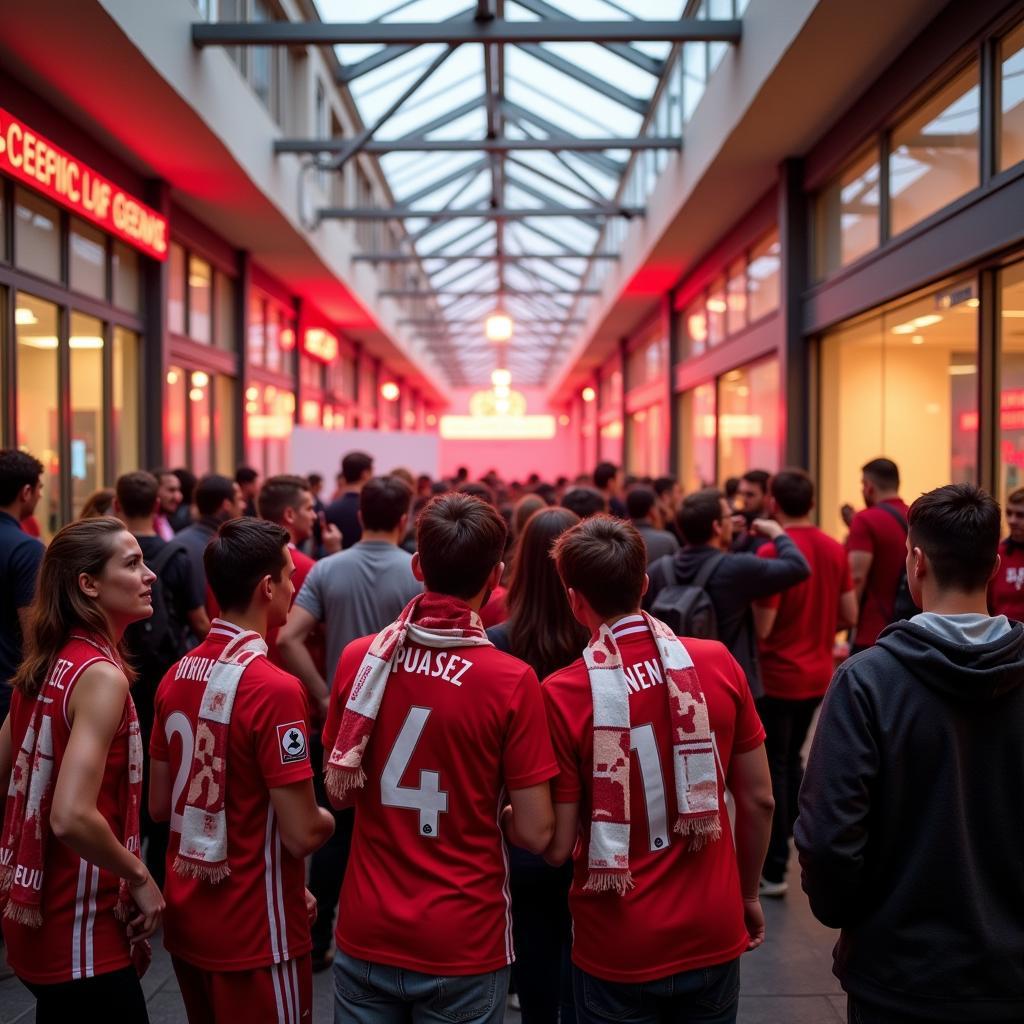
320 451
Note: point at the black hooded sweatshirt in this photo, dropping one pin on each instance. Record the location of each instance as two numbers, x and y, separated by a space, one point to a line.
911 826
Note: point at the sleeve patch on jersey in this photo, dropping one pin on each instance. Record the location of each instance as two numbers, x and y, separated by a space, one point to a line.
292 739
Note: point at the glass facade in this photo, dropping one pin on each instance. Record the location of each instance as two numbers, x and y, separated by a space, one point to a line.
87 260
1011 97
1011 380
935 151
36 235
749 421
698 437
87 415
903 383
846 215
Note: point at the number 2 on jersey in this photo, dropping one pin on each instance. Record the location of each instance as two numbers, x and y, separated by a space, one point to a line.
428 798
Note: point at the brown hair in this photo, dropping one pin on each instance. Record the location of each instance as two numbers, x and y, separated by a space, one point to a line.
279 493
524 509
1016 497
605 559
136 494
542 631
60 605
460 539
97 504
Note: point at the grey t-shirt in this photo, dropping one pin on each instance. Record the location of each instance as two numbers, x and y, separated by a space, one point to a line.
357 592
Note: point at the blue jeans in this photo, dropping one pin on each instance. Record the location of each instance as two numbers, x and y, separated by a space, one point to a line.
709 995
368 993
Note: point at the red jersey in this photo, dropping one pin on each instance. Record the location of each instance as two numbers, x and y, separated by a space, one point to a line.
686 910
257 915
80 937
796 657
495 612
879 534
426 886
1006 591
314 642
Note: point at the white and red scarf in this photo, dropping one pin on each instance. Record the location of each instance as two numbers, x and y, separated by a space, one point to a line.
26 827
203 848
440 622
693 755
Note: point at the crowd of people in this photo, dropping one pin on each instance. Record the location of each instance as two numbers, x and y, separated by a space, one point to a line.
447 737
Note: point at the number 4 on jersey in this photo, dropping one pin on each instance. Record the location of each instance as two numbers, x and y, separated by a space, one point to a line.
428 798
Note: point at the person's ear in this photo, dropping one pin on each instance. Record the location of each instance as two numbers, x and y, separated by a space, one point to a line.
403 525
266 587
920 564
87 584
417 567
495 578
289 517
995 568
647 583
25 494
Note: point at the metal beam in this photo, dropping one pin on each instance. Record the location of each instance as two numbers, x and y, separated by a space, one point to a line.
421 321
519 257
413 293
498 30
401 213
419 144
584 77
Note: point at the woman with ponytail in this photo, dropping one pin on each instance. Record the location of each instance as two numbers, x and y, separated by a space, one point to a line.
78 904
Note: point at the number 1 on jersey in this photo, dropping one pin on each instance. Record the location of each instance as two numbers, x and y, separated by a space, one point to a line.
428 798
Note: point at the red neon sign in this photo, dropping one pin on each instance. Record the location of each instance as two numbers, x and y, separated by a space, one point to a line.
30 158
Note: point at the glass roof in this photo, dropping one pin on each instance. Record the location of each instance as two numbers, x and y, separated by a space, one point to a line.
536 91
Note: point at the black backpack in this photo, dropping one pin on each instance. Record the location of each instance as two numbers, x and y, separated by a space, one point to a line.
159 641
686 608
903 606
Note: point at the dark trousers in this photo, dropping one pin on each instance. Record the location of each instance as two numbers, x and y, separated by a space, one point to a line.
786 723
709 995
859 1012
116 996
327 865
542 933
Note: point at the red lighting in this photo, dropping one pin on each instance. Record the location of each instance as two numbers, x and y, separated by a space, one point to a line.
287 339
30 158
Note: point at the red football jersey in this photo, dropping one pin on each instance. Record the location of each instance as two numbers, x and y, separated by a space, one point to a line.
796 657
686 910
80 937
879 534
257 915
1006 591
426 886
314 642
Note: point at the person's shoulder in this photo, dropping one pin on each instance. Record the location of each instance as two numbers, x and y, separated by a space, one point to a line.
303 563
263 678
574 678
708 654
16 540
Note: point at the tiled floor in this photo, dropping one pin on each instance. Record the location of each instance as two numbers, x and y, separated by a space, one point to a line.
787 981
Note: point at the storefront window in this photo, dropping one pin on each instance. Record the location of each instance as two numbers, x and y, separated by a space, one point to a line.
126 278
647 361
1011 377
902 384
200 415
1011 95
736 297
646 445
4 254
87 470
225 460
87 267
175 417
846 219
176 290
127 380
695 327
273 338
200 300
609 392
610 442
257 330
36 235
763 272
935 152
748 419
716 308
270 415
224 300
698 428
38 429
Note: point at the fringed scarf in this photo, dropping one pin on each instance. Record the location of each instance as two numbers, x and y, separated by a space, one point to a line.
203 849
693 756
26 827
440 622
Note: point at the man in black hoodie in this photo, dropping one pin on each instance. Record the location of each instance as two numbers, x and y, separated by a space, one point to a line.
733 581
911 828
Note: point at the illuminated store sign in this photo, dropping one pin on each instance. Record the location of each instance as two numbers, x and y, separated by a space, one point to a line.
320 344
30 158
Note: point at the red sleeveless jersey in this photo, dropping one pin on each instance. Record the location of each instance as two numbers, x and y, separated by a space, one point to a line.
256 916
80 937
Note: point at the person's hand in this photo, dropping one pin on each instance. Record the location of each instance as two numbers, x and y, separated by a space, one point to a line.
310 905
847 511
330 537
767 528
753 920
739 522
149 902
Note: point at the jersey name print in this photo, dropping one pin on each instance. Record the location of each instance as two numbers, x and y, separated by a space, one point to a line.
260 905
426 887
